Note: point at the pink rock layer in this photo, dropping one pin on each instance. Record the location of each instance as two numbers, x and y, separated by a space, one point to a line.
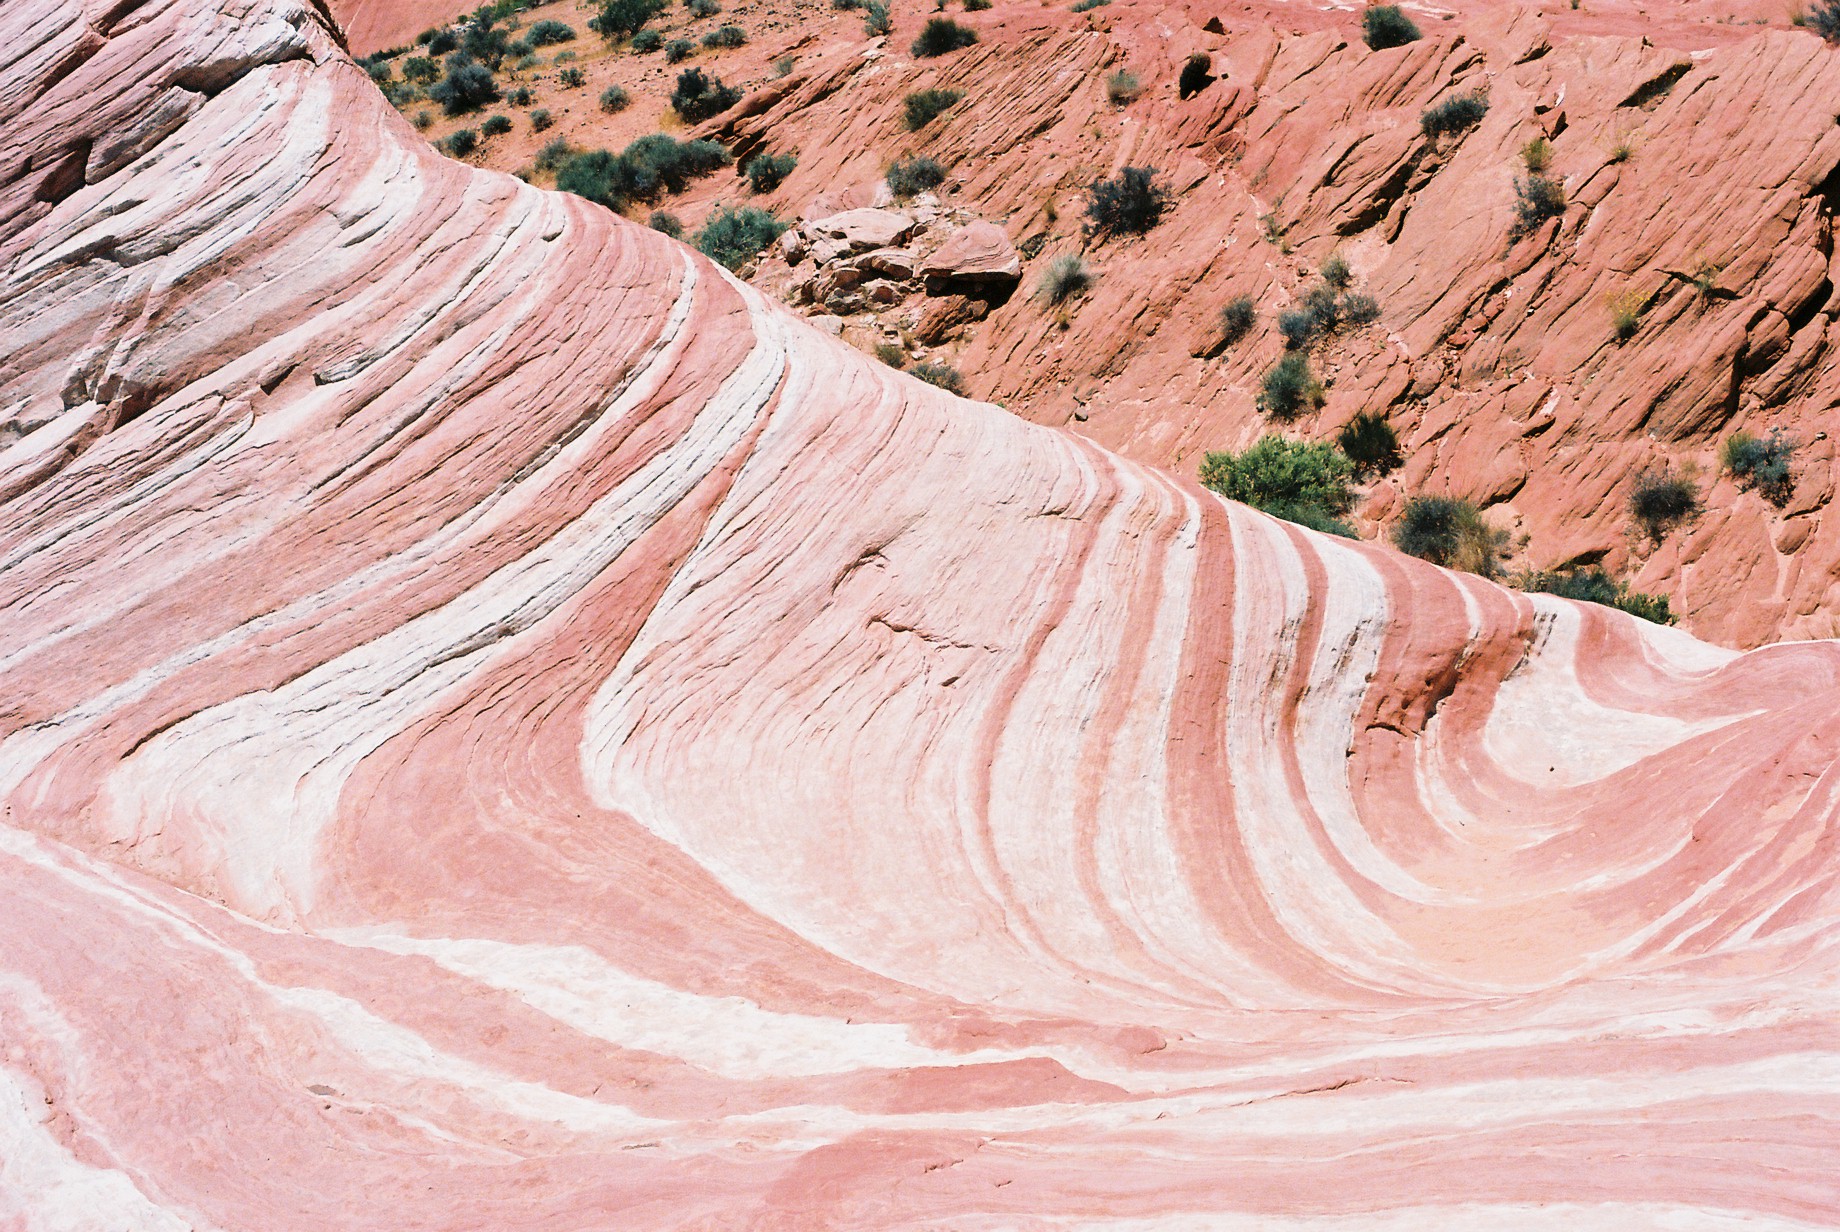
504 728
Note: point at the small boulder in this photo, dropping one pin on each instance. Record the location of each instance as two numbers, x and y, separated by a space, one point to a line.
978 253
864 229
892 262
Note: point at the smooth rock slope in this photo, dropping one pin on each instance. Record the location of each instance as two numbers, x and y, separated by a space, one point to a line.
503 728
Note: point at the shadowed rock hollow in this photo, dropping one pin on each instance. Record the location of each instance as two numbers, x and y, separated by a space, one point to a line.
505 727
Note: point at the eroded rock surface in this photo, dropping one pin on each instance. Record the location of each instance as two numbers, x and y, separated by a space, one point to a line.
505 727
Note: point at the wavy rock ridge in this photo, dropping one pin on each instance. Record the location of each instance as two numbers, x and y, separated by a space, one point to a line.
504 728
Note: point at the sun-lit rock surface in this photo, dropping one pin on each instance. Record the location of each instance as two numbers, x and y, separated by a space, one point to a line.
504 729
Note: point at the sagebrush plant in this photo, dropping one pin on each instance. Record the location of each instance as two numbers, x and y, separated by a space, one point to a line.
1122 87
1237 317
703 8
1371 444
1066 277
421 70
548 33
1087 6
678 50
646 41
922 107
541 119
1536 199
571 78
554 152
765 172
1626 312
726 36
1455 114
1596 586
1335 271
615 98
618 19
941 374
1824 20
976 6
1130 203
891 353
1662 499
1450 531
461 142
1357 308
666 223
1536 155
909 177
876 21
1761 463
467 86
732 237
846 6
520 97
1300 481
1384 25
424 119
1197 75
1289 387
782 67
495 125
941 36
649 165
699 95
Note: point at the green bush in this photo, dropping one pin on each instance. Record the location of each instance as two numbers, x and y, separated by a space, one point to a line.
520 97
1596 586
943 375
1763 464
1451 532
548 33
1066 277
541 119
554 153
438 42
1129 203
1662 499
733 237
1536 199
646 41
846 6
1335 271
1122 88
620 18
911 176
941 36
424 119
495 125
1086 6
1370 443
765 172
783 66
699 95
922 107
727 36
678 50
703 8
1237 317
876 20
1454 114
467 86
421 70
1385 26
1299 481
615 98
1289 387
666 223
891 353
1824 20
1197 75
571 79
650 165
1358 309
976 6
1297 326
461 142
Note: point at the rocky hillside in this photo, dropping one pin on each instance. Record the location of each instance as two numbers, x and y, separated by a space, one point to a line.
1682 293
507 726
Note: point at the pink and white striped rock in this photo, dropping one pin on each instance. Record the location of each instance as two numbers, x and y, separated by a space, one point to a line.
504 728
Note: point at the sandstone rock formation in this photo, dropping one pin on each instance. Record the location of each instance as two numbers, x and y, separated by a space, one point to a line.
506 727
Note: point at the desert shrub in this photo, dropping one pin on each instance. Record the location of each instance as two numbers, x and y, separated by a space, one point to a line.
1299 481
783 66
646 41
525 63
699 95
1824 20
379 71
615 98
1626 313
666 223
1236 319
1454 114
943 375
940 36
1297 326
1289 387
650 165
1359 309
1086 6
1370 443
876 20
727 36
1122 87
1335 271
467 86
1451 532
1066 277
1197 75
495 126
976 6
620 18
1662 499
765 172
1385 26
440 42
703 8
678 50
1536 155
482 40
922 107
911 176
541 119
548 33
846 6
554 153
421 70
891 353
1129 203
733 237
571 79
424 119
461 142
564 57
1764 464
520 97
1596 586
521 50
1537 198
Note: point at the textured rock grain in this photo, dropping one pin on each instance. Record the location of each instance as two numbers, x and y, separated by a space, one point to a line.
505 728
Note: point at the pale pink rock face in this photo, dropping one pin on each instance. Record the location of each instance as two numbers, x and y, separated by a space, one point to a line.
505 728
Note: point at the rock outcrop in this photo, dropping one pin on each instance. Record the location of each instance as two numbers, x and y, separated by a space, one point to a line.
504 726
